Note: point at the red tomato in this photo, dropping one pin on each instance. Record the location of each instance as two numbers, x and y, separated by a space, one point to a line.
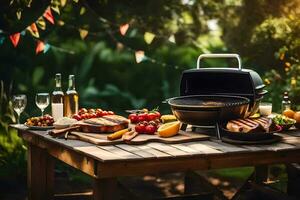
98 110
110 112
91 110
140 128
157 114
93 115
151 117
133 118
150 129
77 117
142 117
104 113
82 111
99 114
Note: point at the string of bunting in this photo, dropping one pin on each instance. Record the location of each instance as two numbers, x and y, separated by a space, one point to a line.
42 46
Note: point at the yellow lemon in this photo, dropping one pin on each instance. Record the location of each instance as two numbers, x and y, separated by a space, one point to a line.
169 129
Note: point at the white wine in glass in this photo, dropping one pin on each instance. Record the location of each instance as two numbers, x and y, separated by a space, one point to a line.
19 103
42 101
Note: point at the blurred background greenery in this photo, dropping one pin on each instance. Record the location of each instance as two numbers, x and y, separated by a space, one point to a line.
266 34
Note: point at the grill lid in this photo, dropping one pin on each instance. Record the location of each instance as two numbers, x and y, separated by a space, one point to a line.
210 81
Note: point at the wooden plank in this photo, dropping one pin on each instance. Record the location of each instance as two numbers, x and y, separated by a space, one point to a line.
196 162
168 149
101 139
224 147
135 150
185 148
276 147
98 153
202 148
40 174
120 152
148 149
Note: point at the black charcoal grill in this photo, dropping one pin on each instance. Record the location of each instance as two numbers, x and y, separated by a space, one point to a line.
224 81
234 84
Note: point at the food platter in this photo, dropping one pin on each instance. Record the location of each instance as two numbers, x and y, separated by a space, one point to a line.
39 127
271 140
256 136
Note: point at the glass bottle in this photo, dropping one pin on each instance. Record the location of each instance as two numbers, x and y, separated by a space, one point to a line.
286 103
57 100
71 98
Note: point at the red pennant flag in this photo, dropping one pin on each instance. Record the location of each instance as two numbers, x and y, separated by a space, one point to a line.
15 39
48 15
123 29
39 47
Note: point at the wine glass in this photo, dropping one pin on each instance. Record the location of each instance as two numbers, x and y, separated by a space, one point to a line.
42 101
19 103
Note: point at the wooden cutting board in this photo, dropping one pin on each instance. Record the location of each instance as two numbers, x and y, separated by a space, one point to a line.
101 139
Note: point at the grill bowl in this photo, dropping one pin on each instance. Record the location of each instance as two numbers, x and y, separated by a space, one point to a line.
207 110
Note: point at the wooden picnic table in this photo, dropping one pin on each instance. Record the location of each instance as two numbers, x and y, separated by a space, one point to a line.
106 163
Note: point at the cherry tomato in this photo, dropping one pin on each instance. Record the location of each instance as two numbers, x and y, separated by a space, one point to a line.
104 113
140 128
85 116
98 110
93 115
99 114
150 129
133 118
157 114
77 117
142 117
82 111
91 110
151 116
110 112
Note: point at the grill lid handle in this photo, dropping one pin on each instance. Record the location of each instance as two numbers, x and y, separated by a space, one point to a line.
220 55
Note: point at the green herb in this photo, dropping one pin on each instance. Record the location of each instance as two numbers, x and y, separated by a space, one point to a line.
283 120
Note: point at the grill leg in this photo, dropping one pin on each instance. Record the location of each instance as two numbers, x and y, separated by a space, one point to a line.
183 127
218 134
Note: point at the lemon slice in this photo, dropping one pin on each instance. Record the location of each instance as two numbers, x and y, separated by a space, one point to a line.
169 129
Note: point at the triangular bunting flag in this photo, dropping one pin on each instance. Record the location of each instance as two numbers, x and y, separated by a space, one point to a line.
83 33
172 39
46 48
19 14
33 30
41 23
60 22
82 10
139 56
2 40
148 37
124 28
29 3
63 3
15 38
39 47
48 15
55 9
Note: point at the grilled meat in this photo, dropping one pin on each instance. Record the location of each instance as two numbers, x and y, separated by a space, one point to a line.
250 125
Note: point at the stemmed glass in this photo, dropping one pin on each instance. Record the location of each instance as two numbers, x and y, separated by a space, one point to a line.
19 103
42 101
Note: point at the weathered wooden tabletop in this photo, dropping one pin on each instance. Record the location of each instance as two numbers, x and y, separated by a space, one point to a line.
107 162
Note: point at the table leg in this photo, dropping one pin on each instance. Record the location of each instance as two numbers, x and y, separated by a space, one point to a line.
261 173
40 178
105 189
